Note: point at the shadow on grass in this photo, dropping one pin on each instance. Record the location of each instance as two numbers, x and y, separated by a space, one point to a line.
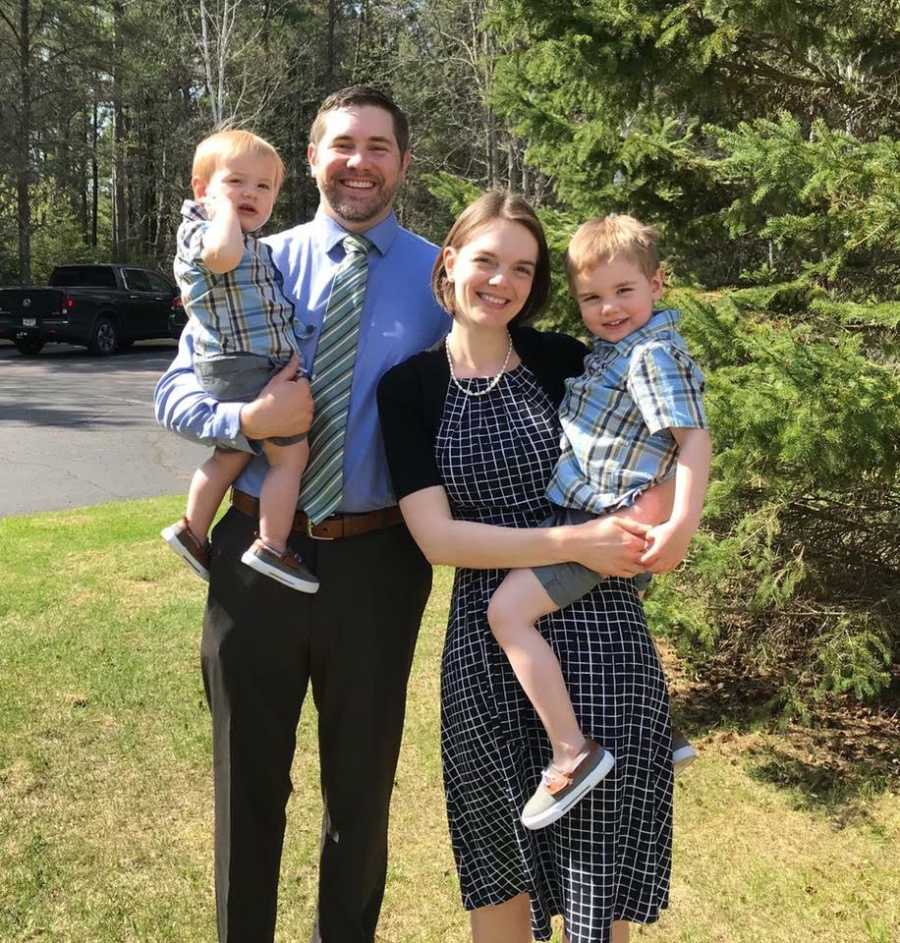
743 705
838 760
839 789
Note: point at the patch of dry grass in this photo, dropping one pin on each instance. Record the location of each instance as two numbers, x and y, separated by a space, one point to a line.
106 798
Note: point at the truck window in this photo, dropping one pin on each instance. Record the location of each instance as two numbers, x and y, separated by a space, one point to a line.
136 280
86 276
158 283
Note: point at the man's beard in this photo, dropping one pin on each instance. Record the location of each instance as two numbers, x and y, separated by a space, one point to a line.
359 210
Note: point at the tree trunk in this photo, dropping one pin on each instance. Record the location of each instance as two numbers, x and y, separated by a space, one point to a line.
24 174
161 199
120 171
487 65
360 31
330 50
84 138
95 171
206 54
491 153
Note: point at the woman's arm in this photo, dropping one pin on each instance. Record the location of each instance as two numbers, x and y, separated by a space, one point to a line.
410 399
611 546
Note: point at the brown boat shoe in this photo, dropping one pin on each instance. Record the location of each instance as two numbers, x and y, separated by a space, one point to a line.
286 567
560 790
195 554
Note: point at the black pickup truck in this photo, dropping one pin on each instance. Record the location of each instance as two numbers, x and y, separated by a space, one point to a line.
102 307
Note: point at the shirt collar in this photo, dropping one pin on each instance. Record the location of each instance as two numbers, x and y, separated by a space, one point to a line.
660 322
328 232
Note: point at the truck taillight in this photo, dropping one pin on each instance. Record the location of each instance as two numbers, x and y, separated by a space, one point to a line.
68 303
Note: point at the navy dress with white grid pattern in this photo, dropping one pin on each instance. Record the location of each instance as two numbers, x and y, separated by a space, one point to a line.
610 857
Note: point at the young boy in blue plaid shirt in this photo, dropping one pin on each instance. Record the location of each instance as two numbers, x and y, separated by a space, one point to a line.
244 333
633 419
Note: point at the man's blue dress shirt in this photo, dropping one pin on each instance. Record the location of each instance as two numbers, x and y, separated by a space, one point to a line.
399 318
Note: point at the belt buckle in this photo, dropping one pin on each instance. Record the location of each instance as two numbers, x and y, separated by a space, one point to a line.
311 535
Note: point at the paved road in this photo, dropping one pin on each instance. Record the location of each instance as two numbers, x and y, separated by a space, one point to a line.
78 430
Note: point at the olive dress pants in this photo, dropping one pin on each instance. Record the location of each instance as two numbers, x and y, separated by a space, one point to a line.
262 645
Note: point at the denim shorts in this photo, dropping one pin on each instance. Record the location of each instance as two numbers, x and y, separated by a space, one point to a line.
238 378
566 582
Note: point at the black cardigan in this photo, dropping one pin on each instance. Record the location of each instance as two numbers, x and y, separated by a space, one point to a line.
411 400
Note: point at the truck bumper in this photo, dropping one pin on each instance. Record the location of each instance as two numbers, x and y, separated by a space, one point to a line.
44 329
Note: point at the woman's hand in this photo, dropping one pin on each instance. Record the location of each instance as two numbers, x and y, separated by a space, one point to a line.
284 406
610 545
667 546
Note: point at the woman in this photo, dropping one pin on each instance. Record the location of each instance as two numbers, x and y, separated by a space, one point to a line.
472 436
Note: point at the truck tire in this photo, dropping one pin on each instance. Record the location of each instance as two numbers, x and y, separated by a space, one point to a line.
104 338
28 347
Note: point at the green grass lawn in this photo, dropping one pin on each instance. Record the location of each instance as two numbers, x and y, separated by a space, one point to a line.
106 796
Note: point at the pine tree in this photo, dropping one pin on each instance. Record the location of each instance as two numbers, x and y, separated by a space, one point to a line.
761 138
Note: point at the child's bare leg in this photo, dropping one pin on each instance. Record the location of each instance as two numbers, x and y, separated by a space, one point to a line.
280 487
208 486
518 603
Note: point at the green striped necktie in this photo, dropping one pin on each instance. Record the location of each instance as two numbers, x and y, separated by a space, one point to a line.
323 480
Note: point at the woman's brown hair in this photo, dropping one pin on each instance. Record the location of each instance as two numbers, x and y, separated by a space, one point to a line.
495 204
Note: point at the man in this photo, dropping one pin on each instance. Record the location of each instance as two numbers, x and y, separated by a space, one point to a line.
264 643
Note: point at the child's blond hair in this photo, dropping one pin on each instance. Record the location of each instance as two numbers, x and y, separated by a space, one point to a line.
233 142
604 238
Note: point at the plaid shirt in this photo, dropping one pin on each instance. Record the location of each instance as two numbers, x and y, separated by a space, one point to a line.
241 311
617 415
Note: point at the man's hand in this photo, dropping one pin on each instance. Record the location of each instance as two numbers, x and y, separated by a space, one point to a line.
284 406
668 546
612 545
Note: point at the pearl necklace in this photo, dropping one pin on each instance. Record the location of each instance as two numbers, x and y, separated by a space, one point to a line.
494 380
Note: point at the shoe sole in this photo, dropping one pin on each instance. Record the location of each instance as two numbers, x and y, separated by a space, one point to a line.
168 535
303 586
683 757
549 816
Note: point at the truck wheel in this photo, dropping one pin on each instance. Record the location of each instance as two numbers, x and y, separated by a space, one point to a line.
29 348
104 340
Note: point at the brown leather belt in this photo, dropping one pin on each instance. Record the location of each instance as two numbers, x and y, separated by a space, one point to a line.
332 528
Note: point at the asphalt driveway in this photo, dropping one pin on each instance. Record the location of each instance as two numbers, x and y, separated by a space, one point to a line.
78 430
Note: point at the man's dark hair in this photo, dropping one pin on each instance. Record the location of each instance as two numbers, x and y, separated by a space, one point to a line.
362 95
